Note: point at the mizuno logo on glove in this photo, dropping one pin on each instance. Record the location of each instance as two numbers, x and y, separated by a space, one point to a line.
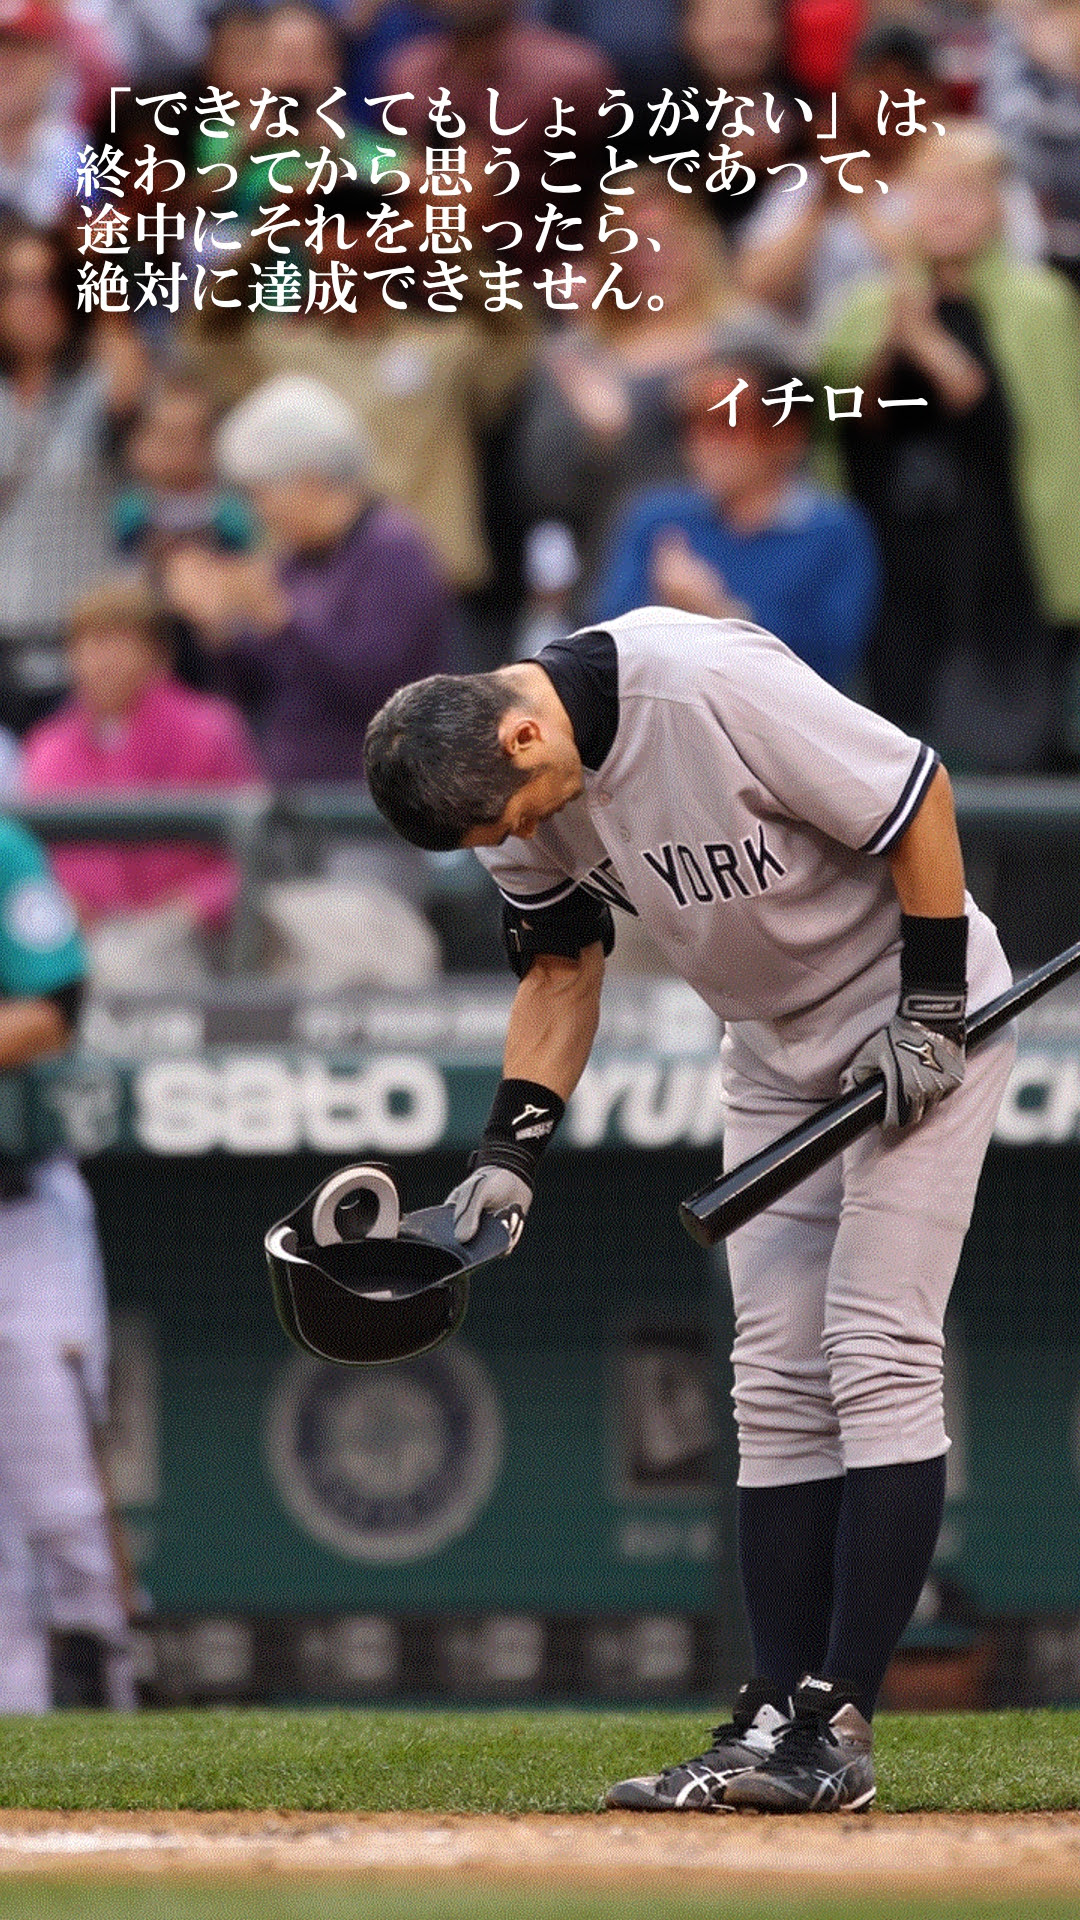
923 1051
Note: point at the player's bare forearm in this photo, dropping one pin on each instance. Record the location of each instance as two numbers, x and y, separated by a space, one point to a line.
927 864
553 1020
28 1029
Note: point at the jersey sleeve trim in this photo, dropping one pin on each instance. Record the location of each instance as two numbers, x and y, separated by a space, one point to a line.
911 798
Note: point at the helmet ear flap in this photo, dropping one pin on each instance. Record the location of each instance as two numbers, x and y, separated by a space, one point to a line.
356 1203
379 1296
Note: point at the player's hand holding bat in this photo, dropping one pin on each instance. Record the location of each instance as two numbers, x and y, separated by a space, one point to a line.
920 1064
921 1052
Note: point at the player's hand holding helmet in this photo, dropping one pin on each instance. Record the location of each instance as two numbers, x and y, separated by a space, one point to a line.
487 1190
921 1051
522 1120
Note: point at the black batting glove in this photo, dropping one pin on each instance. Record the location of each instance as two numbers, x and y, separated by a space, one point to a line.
523 1117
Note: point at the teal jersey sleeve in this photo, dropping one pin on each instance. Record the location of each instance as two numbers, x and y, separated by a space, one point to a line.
40 947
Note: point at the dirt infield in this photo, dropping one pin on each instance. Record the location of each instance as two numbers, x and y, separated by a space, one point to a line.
956 1852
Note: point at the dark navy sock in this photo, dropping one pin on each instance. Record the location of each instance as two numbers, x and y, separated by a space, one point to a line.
787 1548
890 1518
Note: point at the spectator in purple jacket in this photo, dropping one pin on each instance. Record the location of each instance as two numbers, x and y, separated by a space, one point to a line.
312 632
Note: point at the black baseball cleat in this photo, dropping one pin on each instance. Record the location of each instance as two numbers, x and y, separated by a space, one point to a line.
697 1786
822 1763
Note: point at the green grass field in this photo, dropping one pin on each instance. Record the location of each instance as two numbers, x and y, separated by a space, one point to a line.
321 1900
504 1762
508 1762
53 1899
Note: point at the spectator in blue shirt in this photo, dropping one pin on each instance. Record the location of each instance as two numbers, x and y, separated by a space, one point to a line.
750 535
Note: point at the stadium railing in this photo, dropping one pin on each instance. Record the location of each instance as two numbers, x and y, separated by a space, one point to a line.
996 815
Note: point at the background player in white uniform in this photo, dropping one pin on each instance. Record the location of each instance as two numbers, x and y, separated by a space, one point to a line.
59 1585
795 857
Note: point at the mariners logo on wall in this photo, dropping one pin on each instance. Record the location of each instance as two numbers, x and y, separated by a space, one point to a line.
386 1463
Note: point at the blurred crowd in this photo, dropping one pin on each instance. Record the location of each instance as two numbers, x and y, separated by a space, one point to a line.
786 327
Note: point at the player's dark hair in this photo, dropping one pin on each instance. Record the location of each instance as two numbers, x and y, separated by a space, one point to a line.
434 762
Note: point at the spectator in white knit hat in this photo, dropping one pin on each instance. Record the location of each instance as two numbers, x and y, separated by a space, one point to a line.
311 634
344 601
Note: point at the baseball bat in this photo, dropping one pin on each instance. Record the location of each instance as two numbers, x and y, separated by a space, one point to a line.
126 1578
714 1212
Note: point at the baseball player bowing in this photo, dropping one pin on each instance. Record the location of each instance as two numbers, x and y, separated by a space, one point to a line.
60 1585
795 857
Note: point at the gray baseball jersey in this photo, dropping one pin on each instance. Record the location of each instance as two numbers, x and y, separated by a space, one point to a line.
743 810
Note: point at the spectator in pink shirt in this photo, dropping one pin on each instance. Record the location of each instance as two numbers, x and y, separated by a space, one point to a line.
131 724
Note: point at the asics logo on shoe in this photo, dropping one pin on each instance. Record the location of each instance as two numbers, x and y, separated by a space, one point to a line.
698 1785
832 1788
705 1783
